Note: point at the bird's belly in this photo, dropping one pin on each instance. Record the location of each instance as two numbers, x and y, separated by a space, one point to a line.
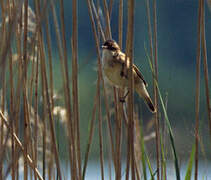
113 74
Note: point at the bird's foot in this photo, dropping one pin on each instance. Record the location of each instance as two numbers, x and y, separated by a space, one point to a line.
122 99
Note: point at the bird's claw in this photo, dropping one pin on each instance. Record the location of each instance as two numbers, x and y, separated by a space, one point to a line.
122 99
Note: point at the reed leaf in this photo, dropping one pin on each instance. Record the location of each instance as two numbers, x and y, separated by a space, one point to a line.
176 164
190 164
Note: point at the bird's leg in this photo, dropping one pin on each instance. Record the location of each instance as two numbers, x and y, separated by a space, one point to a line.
122 99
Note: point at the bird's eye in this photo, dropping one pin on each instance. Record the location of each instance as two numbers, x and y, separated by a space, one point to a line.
112 48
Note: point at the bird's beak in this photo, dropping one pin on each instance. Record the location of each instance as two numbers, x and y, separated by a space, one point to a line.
104 47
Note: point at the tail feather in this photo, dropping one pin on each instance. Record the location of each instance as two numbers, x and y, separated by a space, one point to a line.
150 104
142 92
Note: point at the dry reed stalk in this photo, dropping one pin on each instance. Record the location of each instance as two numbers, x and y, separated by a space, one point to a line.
12 112
32 78
75 83
8 35
21 147
96 15
119 106
36 113
100 129
209 4
18 88
65 74
13 173
49 48
206 74
41 57
24 65
129 52
48 102
108 27
157 124
2 93
137 145
117 133
110 7
50 117
197 96
102 79
100 109
150 35
91 132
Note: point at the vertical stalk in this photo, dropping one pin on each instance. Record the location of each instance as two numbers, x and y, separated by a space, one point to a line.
119 107
101 76
197 97
75 82
206 74
48 102
36 110
91 132
129 52
100 130
150 33
49 58
108 27
24 65
2 78
65 74
156 90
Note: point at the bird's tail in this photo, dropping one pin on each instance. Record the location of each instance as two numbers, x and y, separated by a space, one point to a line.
142 92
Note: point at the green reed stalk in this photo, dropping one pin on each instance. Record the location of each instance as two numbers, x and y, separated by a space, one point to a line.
190 164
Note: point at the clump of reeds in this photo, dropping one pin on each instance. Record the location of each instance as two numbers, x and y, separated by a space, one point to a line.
28 105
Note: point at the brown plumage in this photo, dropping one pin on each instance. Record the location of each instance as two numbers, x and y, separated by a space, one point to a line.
116 69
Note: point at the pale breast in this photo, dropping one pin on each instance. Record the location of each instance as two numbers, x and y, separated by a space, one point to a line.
113 74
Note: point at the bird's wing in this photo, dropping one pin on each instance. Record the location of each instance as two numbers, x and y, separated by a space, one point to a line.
139 74
120 57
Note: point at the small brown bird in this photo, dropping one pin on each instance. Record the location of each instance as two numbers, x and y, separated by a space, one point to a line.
116 69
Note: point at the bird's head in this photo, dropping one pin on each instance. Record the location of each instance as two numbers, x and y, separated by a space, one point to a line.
111 45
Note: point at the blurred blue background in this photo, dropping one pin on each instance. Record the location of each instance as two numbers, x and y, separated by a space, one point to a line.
177 44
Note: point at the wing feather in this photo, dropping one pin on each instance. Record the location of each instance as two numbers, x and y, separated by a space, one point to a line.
120 58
